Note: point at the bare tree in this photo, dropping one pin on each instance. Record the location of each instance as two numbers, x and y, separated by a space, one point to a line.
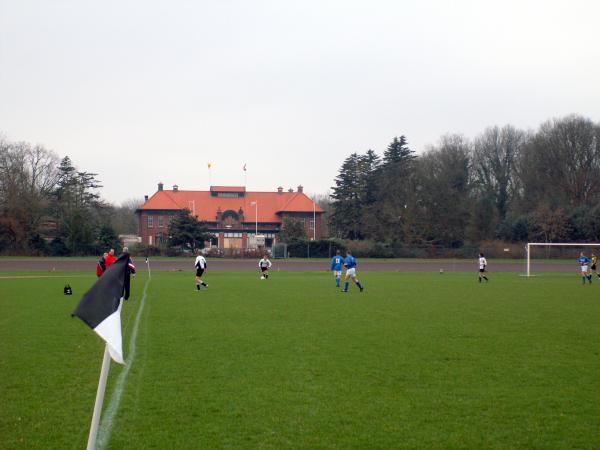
561 164
27 176
124 218
443 190
324 201
495 155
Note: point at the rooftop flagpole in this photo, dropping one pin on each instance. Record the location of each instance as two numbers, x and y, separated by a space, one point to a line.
245 177
209 175
314 220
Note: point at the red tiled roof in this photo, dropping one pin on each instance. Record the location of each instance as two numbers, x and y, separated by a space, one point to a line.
205 206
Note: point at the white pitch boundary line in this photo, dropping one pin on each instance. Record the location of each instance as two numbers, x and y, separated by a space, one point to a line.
115 399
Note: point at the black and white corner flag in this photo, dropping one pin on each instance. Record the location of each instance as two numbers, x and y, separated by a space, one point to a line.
100 307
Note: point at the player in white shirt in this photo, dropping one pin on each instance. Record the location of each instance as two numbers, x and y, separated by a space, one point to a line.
201 265
482 266
264 265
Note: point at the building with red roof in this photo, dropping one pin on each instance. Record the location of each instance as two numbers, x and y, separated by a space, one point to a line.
233 215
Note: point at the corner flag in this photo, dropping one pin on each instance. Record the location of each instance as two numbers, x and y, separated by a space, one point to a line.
100 307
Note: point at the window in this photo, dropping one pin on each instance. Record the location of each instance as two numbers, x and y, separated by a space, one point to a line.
160 222
311 224
150 221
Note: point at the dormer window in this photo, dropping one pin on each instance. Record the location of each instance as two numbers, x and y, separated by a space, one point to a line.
228 191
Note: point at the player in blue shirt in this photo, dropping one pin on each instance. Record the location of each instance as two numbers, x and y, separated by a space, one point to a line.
350 264
337 263
584 262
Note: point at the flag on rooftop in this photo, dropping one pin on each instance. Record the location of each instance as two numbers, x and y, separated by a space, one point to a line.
100 307
244 167
209 165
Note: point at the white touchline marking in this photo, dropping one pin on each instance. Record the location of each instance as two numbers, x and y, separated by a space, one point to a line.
108 417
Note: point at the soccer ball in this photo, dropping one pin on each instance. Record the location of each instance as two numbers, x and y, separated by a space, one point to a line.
262 277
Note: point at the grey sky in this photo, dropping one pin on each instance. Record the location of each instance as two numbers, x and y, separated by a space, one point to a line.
152 91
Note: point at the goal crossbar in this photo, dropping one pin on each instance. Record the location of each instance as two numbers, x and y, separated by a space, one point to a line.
552 244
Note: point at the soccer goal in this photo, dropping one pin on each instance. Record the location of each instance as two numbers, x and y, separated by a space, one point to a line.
280 251
555 250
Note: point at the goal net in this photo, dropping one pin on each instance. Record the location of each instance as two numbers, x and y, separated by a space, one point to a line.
556 257
280 251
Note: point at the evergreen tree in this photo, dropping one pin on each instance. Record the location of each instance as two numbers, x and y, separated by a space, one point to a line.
398 152
107 239
369 164
346 215
355 190
75 208
392 215
292 230
187 231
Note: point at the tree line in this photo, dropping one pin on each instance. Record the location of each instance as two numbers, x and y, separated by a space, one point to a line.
49 207
505 184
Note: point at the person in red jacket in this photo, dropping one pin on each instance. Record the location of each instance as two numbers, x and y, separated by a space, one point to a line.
101 265
110 258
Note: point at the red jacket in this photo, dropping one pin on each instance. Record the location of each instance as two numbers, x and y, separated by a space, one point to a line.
100 267
110 259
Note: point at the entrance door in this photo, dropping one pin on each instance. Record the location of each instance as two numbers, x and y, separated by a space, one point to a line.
232 242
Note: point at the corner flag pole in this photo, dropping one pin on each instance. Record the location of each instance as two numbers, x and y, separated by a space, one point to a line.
91 445
148 263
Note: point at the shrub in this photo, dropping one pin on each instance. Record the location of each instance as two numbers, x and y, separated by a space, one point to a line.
58 247
145 250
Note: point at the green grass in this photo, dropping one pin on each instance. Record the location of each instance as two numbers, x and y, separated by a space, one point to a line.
416 361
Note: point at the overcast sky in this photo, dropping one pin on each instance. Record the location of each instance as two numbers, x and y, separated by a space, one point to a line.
142 91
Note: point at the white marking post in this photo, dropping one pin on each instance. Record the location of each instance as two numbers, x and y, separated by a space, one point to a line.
91 445
115 400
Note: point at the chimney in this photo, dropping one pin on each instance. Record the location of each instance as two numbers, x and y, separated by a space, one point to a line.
301 189
145 198
280 190
175 188
160 187
290 190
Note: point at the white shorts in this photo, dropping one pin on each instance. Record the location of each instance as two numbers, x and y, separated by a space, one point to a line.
351 272
584 269
337 273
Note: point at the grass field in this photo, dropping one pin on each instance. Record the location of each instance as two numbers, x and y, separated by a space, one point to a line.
418 360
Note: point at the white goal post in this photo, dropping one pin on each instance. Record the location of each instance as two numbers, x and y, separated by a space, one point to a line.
550 244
